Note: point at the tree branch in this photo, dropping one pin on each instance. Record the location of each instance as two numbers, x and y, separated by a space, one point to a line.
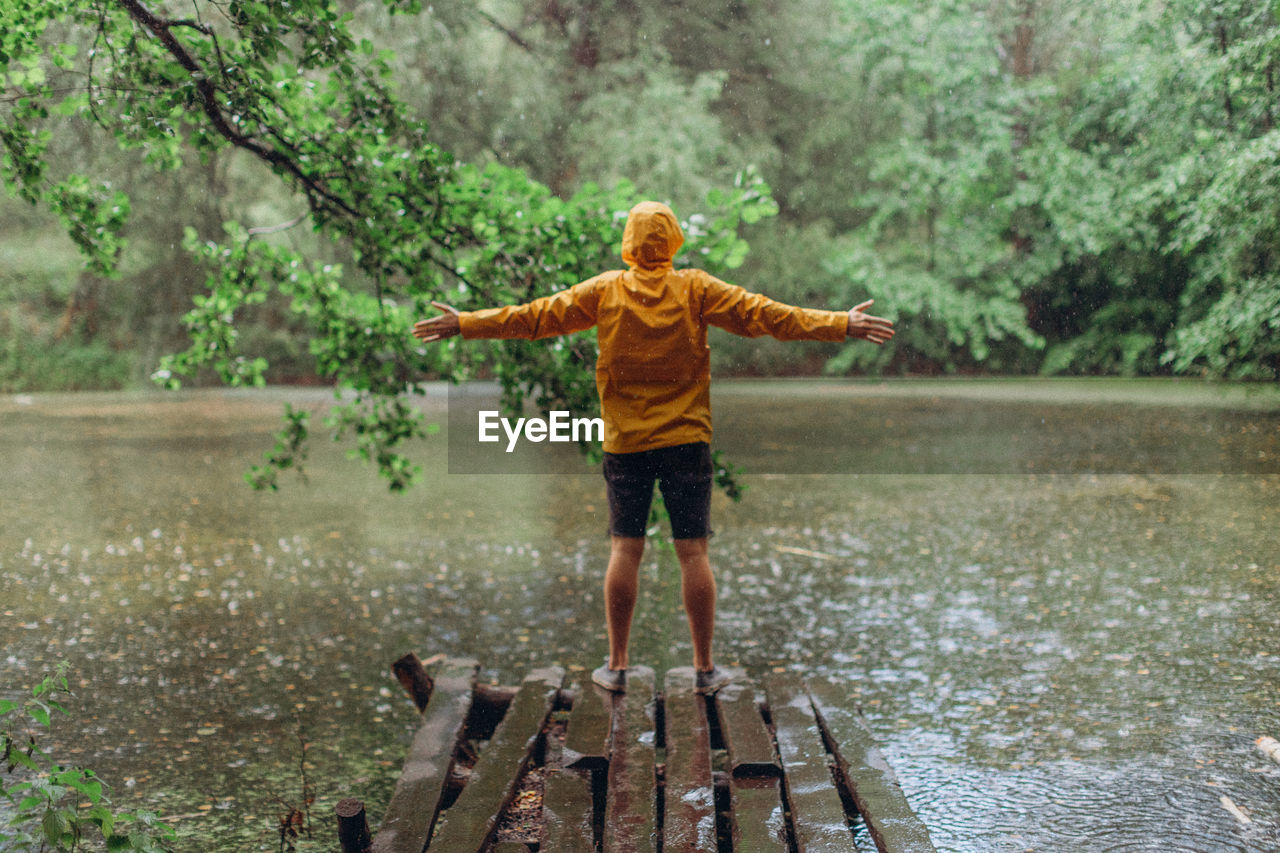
161 28
509 33
283 226
320 196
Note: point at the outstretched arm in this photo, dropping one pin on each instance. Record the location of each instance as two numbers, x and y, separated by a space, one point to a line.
866 327
571 310
742 312
439 327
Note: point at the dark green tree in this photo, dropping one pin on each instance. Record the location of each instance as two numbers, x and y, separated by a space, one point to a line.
1228 216
944 208
295 88
1159 244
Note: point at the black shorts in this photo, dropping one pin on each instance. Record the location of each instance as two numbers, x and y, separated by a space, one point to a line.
683 473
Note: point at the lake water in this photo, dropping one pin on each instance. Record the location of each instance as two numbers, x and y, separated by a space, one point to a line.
1055 602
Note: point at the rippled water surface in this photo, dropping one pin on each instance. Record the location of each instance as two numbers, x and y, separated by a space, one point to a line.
1056 603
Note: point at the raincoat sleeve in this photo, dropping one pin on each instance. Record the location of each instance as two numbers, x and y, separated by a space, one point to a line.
571 310
738 310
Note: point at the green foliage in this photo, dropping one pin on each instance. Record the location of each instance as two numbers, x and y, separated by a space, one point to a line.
27 365
1097 182
935 249
29 361
1054 186
1239 337
726 476
1162 218
55 807
299 91
1230 232
290 451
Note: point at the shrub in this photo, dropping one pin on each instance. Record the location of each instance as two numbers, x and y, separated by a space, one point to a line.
52 806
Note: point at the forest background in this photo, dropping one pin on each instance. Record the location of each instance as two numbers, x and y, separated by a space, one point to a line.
273 190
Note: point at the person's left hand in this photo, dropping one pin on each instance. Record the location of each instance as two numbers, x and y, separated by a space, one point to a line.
438 328
867 327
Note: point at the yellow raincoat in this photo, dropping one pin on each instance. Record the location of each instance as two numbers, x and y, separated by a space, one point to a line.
654 369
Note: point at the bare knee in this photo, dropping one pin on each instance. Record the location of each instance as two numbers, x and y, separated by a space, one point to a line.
626 549
695 564
691 550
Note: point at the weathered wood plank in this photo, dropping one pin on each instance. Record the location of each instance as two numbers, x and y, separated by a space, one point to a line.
746 737
759 824
568 811
689 810
586 741
816 784
873 785
817 812
409 817
415 680
629 825
755 793
469 823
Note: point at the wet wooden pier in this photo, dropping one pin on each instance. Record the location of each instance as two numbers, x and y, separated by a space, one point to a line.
558 765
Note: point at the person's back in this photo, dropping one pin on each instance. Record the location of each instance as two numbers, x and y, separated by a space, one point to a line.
653 372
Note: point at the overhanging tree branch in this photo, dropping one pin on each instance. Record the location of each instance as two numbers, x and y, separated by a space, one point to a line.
162 30
507 31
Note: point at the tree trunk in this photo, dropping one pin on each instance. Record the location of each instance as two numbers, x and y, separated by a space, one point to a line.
1023 69
81 315
1270 119
1227 103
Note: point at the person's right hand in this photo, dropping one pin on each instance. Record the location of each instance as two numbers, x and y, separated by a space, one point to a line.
867 327
438 328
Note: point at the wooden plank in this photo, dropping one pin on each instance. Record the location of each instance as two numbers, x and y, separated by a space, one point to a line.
689 809
755 791
873 785
630 825
568 811
746 737
415 680
469 824
759 824
817 812
410 815
586 741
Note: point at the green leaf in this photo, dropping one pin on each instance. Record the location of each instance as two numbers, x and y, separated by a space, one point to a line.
55 827
90 787
21 759
102 817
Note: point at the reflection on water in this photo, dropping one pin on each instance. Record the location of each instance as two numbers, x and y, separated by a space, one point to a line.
1051 661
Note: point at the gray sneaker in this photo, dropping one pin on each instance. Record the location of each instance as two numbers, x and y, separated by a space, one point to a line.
711 680
613 680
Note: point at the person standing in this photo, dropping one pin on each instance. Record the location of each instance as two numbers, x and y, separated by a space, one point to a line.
653 375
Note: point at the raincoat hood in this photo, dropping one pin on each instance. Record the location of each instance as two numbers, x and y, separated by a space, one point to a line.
652 237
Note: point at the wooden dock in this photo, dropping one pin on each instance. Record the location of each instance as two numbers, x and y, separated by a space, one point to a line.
558 765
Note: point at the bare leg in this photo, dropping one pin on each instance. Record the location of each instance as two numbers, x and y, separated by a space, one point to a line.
698 588
621 587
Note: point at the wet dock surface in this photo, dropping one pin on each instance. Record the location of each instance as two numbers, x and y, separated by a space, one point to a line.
558 764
